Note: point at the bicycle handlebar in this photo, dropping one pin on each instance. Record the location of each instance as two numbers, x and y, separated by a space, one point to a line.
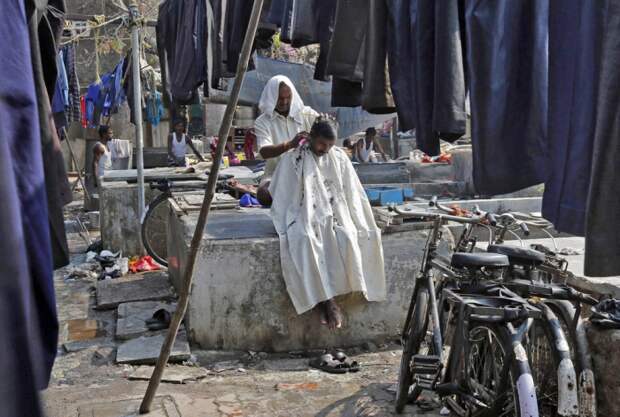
446 217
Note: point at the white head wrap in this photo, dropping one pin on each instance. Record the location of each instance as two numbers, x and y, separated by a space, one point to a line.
269 97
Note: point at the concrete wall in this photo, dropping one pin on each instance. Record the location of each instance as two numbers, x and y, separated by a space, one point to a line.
239 300
120 223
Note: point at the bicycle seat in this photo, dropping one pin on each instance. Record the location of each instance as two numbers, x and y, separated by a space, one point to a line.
478 260
518 255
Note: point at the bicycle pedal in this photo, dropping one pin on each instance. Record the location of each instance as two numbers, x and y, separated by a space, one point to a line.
426 364
425 382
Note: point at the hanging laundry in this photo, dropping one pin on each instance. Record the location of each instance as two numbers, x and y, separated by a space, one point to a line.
376 90
602 225
104 96
299 23
507 71
326 14
60 101
73 112
427 74
346 55
154 108
29 329
574 66
237 21
84 119
181 45
91 97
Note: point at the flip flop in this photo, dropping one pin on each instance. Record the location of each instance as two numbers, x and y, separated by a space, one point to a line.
350 365
160 320
327 363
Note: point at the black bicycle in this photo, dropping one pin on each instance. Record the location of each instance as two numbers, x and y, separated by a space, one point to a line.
552 341
463 339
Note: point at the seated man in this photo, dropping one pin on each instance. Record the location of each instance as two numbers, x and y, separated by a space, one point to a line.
178 141
329 242
365 148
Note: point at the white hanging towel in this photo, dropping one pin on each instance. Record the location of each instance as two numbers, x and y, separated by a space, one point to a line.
329 242
120 148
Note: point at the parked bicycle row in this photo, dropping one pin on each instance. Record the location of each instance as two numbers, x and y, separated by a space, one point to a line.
495 331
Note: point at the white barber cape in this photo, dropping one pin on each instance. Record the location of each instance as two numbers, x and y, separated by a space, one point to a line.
329 242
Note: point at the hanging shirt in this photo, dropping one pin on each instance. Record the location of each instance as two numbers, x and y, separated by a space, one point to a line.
179 146
60 101
28 329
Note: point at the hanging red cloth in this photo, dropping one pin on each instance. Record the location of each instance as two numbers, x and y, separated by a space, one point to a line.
83 111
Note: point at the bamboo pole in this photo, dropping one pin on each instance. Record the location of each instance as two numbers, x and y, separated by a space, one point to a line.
242 67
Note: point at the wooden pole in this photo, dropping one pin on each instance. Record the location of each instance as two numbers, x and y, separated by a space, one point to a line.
164 355
77 168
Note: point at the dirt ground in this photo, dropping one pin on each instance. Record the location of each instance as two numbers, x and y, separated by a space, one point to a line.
87 382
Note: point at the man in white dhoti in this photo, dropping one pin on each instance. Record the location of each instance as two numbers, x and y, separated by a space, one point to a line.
329 242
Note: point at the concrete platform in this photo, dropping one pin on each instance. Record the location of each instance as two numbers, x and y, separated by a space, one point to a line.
239 300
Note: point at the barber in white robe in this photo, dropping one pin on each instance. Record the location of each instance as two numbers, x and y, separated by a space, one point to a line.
285 121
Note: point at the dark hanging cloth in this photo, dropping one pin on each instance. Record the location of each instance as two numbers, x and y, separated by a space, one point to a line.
602 225
29 328
299 25
507 68
45 31
346 93
427 69
346 55
326 13
275 14
376 90
237 20
574 57
69 56
217 42
181 33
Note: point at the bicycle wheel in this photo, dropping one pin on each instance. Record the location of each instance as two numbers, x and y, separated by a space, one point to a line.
153 235
544 362
413 337
498 375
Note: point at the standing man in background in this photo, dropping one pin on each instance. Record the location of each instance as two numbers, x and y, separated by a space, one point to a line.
102 159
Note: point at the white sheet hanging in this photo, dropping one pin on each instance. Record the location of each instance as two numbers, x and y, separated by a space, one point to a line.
329 242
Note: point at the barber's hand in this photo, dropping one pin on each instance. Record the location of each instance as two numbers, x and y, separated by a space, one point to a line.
294 143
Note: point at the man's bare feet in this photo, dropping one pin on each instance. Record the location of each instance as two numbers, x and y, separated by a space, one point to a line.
334 314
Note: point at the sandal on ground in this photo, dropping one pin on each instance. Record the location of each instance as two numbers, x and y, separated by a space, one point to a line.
160 320
349 364
327 363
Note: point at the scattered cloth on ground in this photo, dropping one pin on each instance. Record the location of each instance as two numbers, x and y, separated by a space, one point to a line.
143 264
249 201
607 313
329 242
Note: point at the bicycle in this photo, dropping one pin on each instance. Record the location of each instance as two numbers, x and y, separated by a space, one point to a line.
473 355
153 238
558 343
542 274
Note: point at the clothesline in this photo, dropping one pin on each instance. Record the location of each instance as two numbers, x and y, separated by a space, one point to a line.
100 25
